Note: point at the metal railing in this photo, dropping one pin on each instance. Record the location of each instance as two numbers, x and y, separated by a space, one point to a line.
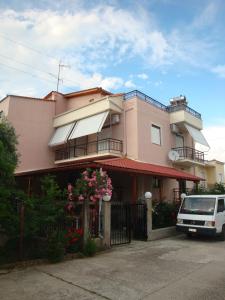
96 147
146 98
185 108
159 105
190 153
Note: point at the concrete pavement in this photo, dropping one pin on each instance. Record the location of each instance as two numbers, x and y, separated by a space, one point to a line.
173 268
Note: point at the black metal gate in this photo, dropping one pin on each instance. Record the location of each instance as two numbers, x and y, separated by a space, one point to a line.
128 221
139 221
120 223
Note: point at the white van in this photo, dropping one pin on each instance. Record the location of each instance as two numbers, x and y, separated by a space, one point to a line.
202 214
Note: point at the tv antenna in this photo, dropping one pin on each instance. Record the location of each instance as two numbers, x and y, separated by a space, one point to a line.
59 71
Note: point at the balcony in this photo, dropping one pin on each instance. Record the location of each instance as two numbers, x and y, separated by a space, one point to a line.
188 156
108 103
180 114
102 148
184 108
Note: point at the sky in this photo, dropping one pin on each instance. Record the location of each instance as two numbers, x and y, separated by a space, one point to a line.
163 48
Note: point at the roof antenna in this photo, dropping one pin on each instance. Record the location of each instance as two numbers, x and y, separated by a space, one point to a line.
59 70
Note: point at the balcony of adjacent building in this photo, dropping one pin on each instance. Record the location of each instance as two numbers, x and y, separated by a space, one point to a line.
93 137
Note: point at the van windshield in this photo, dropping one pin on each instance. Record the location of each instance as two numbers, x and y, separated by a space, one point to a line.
198 206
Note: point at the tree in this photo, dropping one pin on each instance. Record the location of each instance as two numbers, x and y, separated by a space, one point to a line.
8 162
8 153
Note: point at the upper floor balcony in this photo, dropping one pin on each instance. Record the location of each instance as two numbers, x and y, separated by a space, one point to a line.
180 113
100 149
111 103
187 156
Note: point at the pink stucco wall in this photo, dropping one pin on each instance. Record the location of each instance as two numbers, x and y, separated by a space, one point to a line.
32 120
4 106
130 123
77 102
147 115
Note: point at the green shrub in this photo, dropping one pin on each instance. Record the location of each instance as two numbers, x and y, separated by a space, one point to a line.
90 248
10 251
164 215
55 248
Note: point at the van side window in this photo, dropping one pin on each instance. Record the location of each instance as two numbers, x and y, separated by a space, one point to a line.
220 207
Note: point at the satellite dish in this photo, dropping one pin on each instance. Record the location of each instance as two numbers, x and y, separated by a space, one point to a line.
173 155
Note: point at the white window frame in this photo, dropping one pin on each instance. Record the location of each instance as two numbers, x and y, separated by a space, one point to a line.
158 140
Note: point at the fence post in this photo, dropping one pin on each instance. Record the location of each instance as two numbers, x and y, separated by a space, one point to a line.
21 230
148 197
86 216
106 224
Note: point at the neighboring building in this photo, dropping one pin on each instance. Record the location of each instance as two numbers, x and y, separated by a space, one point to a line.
214 172
144 144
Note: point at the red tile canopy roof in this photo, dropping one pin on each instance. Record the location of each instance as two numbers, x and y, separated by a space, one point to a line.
133 166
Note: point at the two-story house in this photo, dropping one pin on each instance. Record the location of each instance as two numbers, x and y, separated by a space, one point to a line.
143 144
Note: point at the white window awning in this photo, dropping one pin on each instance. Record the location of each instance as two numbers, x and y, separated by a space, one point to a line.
61 135
89 125
197 135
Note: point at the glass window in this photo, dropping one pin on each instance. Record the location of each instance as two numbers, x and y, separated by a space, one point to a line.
220 207
198 206
156 135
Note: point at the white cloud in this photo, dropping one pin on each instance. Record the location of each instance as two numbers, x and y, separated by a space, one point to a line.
215 136
78 38
219 70
207 16
143 76
91 40
129 84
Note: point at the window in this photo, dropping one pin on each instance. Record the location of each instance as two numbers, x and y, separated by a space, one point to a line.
220 178
220 207
156 135
179 140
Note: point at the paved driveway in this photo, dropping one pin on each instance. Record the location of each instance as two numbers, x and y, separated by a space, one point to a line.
173 268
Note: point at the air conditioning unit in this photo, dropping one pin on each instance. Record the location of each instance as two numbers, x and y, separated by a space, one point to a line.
174 128
115 119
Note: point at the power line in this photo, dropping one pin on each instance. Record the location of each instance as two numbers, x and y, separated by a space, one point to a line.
40 53
11 59
28 47
33 75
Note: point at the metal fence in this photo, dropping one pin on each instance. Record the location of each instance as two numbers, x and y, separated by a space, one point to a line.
59 224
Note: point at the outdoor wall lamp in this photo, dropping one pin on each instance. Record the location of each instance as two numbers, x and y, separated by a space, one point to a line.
106 198
148 195
183 195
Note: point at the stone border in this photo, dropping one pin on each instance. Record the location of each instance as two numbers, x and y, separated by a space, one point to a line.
161 233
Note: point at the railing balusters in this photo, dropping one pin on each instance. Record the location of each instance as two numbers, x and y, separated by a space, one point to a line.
190 153
111 145
161 106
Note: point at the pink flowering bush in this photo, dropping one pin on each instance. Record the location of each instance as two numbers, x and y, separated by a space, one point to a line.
93 185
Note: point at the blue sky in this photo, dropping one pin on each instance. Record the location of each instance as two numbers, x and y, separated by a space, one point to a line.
162 47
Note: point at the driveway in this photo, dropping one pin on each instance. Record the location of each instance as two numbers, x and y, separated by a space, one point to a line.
173 268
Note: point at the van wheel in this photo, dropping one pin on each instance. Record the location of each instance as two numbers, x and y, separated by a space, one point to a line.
222 235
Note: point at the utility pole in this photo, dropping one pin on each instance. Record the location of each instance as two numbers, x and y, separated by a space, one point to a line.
59 70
